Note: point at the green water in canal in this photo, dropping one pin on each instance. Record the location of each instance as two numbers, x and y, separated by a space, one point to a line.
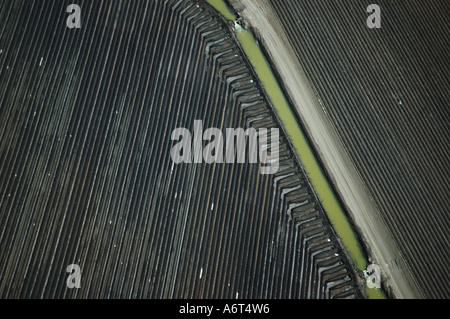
312 168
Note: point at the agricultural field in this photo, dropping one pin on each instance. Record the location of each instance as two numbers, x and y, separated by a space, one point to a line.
193 149
86 121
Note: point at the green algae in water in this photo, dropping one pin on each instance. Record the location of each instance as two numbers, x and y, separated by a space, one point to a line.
312 168
223 8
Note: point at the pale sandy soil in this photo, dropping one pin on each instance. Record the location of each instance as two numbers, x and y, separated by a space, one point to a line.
382 248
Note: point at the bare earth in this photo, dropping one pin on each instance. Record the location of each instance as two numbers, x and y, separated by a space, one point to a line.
382 248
